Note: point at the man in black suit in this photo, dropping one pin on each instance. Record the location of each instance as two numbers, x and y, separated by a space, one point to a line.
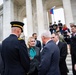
38 43
55 27
0 57
63 53
73 47
1 64
51 28
60 26
14 54
50 55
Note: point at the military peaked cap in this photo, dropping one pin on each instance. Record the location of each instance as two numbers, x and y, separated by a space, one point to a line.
17 24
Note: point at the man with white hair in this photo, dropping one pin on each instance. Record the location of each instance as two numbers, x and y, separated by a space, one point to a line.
50 55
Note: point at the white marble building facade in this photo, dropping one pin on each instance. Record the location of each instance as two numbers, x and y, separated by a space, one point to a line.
36 12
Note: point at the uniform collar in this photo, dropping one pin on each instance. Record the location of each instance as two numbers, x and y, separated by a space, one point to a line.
13 34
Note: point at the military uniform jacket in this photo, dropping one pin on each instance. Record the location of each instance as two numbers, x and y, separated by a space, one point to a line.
15 56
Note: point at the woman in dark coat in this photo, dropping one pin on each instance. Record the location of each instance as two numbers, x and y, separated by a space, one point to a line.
34 54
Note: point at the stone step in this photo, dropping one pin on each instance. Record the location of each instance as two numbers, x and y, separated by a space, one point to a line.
70 74
69 60
69 64
68 55
69 68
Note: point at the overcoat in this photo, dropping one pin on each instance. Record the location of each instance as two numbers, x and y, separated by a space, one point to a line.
50 56
34 63
63 54
73 52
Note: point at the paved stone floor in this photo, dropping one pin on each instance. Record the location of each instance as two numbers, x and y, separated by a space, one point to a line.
69 64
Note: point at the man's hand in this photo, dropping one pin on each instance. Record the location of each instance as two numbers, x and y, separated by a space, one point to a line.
75 67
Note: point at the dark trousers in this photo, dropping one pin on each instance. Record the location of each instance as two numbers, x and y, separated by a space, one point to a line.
73 61
74 72
64 73
34 73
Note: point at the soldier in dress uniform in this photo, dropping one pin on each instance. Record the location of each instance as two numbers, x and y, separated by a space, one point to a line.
14 53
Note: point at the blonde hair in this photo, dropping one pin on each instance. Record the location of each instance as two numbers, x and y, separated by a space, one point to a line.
64 26
29 41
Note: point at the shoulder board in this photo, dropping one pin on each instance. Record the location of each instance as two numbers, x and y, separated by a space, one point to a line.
20 39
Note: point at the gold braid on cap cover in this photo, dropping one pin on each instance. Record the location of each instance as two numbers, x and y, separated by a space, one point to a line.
17 25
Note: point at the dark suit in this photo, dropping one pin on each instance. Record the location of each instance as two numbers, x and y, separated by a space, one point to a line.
1 63
38 44
15 57
0 57
63 53
73 52
49 60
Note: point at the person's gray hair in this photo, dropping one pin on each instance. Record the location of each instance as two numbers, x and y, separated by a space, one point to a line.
46 34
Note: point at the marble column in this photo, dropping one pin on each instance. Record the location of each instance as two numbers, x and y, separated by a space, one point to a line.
29 17
46 24
7 17
40 17
73 4
67 12
35 25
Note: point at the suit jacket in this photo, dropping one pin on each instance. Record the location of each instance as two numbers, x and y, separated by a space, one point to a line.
15 56
73 45
1 62
63 53
38 44
73 52
0 57
49 60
